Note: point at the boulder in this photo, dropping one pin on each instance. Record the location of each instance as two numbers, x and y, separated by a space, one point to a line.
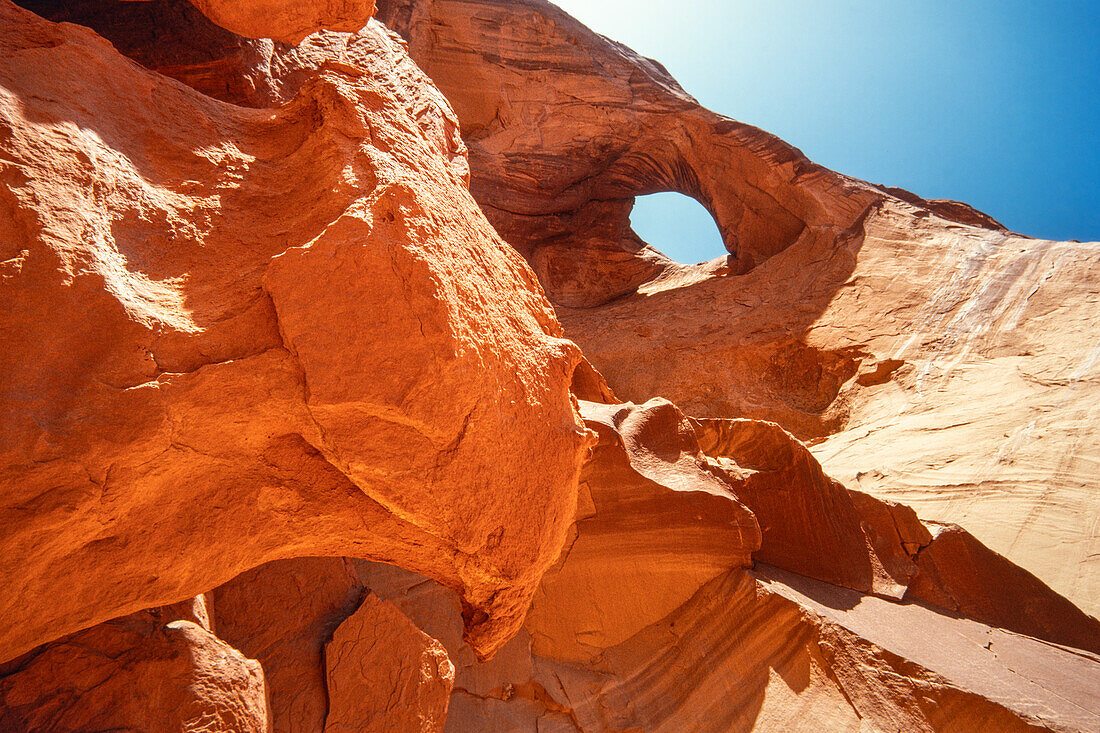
230 335
156 670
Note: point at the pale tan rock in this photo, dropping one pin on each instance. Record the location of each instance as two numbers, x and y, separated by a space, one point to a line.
775 652
956 425
783 653
230 335
653 526
384 674
957 572
808 524
273 401
979 414
155 670
977 677
738 655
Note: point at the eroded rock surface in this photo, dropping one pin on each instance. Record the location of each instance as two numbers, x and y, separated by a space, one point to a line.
932 357
282 614
299 344
286 20
653 526
155 670
384 674
300 337
652 621
559 156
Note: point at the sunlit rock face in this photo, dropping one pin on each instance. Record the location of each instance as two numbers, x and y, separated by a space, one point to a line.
265 358
653 620
927 355
287 20
231 335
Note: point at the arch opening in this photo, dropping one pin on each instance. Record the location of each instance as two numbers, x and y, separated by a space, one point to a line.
677 225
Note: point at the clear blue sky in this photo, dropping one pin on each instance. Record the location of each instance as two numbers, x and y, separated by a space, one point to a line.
992 102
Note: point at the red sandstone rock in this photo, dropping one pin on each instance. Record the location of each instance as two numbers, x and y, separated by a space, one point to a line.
282 614
933 358
308 341
384 674
808 522
288 21
155 670
656 525
781 652
959 573
301 337
812 525
333 651
558 157
772 652
953 210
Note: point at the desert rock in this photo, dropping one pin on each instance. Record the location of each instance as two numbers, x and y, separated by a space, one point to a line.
259 342
155 670
651 621
930 356
288 21
385 674
653 526
303 338
282 614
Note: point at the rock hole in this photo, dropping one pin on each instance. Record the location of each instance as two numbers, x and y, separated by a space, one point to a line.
678 226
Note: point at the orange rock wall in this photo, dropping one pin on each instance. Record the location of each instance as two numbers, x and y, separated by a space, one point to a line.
258 341
297 335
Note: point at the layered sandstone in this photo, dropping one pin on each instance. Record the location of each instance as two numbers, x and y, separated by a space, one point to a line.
930 356
256 334
651 620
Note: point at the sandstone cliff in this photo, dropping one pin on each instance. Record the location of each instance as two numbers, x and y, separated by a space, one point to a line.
297 434
927 354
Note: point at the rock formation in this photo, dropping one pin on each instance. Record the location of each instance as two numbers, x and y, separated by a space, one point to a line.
385 674
928 355
288 21
160 669
198 303
265 358
282 614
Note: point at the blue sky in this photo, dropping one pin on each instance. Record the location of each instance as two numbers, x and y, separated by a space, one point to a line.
992 102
